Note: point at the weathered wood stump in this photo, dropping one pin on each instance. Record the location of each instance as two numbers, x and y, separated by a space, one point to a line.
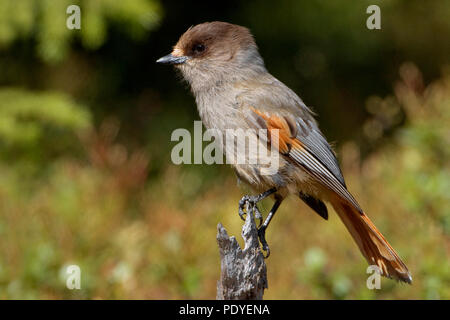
243 272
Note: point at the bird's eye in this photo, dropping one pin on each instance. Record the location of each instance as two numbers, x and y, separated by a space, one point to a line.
198 48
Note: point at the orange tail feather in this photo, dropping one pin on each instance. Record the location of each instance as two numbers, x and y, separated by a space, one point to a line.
371 242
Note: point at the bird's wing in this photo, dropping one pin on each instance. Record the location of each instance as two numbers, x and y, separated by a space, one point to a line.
297 137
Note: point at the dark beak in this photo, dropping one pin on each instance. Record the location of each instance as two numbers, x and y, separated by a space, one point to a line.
170 59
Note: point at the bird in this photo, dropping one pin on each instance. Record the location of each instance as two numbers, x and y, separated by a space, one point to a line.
233 90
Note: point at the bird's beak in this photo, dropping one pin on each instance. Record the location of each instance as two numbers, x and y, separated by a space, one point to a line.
171 59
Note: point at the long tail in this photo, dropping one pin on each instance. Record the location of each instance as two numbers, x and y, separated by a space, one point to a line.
371 242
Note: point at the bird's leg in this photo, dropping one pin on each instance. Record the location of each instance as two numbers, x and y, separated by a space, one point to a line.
252 201
262 229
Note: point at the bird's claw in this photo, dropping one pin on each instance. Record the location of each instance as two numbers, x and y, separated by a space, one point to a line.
244 208
246 204
242 204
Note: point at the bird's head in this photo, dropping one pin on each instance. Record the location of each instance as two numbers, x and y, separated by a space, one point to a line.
212 53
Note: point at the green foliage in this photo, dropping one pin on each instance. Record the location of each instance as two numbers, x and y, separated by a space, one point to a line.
25 114
29 122
45 21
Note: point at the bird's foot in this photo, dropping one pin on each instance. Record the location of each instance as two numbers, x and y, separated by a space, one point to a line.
248 203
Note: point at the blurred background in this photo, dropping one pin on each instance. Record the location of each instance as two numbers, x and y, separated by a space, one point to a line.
85 171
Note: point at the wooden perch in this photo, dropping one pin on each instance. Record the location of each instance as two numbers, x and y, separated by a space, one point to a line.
243 272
